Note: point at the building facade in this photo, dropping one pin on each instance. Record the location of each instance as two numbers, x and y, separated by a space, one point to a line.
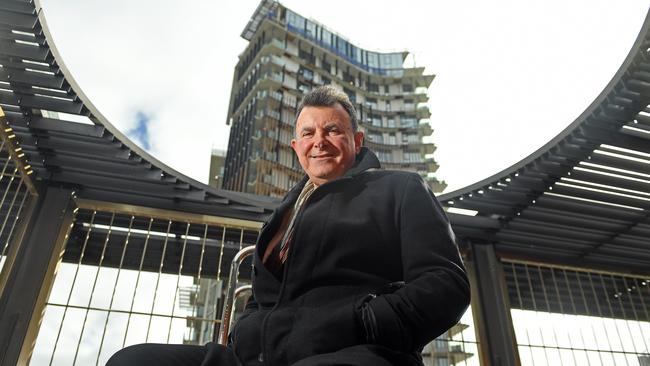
288 55
217 162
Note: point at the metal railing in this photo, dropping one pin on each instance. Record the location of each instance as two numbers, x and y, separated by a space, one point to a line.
135 274
232 291
572 316
17 197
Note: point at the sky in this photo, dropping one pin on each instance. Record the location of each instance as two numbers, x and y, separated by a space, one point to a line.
510 75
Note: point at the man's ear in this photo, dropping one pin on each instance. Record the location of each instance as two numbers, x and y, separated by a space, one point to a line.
293 144
358 141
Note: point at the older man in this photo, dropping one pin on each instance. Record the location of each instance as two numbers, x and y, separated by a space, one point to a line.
357 266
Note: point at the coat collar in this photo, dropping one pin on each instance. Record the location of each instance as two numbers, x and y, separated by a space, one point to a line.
365 160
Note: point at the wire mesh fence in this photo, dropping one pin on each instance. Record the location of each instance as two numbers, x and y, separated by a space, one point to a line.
128 279
567 316
17 195
14 198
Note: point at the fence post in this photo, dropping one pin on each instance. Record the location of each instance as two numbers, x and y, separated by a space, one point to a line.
30 280
497 334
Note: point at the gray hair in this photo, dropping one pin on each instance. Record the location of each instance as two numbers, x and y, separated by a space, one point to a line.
328 96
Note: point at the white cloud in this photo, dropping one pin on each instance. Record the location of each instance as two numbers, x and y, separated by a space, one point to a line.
510 75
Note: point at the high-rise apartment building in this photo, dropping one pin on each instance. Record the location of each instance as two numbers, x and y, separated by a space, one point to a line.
287 55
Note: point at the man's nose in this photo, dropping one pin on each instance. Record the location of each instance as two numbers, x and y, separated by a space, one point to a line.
320 139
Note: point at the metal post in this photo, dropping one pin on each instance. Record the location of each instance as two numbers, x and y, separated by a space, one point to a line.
495 323
17 239
31 277
231 290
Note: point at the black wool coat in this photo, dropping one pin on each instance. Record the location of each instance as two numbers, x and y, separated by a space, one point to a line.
373 267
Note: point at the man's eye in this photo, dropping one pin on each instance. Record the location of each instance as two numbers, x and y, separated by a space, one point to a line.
307 134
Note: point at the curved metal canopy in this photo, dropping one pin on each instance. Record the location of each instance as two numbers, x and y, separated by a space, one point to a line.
584 197
96 158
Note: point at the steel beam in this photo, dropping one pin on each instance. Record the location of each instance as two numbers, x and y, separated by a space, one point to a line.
30 280
498 343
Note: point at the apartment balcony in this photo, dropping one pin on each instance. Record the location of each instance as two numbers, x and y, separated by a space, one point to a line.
425 127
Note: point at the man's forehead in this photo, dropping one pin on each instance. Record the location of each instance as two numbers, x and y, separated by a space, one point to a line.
310 123
311 116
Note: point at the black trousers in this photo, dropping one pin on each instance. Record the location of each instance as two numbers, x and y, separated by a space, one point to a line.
213 354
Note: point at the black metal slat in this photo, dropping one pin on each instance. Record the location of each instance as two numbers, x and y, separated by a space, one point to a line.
610 181
8 98
599 196
7 34
13 63
642 118
530 240
21 7
485 207
502 197
15 20
506 247
641 126
22 90
51 104
89 165
23 51
60 135
547 215
49 125
587 208
76 147
635 133
551 169
120 184
32 78
640 230
562 231
633 241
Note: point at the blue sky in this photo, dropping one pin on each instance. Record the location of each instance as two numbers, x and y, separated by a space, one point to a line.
140 132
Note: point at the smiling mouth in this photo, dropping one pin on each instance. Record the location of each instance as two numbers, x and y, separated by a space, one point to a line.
321 156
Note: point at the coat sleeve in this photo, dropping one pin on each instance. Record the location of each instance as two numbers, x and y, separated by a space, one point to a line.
436 289
250 307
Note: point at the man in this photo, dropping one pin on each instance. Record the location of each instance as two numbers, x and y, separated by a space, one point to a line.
357 266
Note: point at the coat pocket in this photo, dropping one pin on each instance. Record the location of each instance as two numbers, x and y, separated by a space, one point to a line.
324 329
246 335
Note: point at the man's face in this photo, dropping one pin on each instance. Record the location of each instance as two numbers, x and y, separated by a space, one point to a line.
324 143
